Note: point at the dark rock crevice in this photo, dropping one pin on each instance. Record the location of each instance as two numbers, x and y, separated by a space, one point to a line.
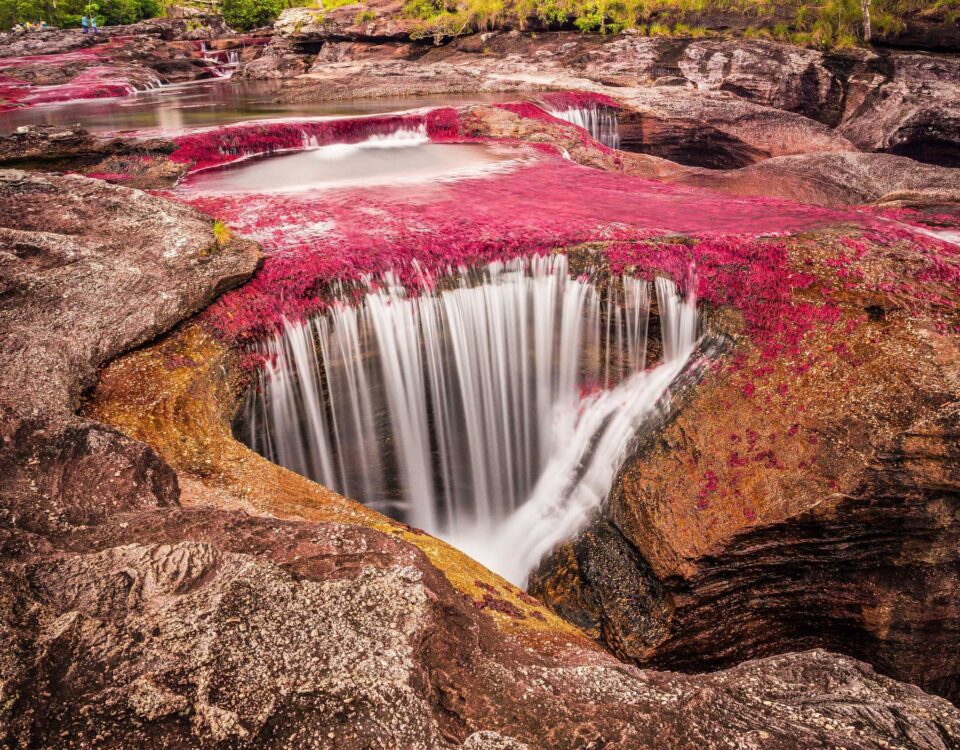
873 574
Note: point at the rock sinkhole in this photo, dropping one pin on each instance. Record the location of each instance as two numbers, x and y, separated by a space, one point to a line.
479 376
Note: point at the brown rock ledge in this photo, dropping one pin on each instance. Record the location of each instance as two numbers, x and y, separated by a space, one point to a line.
812 501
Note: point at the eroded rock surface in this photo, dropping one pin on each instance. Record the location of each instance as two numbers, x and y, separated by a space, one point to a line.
837 179
56 65
215 629
136 162
808 500
89 270
714 103
907 104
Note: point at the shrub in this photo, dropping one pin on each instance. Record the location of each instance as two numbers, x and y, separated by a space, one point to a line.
221 232
248 14
831 23
598 17
67 13
16 11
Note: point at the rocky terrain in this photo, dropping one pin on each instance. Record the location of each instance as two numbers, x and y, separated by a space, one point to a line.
787 541
55 65
712 103
131 619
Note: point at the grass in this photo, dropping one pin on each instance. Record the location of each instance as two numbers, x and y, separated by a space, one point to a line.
221 232
819 23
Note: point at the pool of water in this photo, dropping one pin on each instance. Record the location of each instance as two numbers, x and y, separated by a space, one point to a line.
401 158
206 103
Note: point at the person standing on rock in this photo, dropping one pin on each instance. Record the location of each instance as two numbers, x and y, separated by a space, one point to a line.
85 22
93 23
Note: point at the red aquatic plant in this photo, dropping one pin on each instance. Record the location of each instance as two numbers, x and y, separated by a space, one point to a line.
217 146
316 240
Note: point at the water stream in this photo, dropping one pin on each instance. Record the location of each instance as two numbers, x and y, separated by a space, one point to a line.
599 121
494 411
403 157
219 101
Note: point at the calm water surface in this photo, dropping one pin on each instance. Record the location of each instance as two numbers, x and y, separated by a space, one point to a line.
402 158
214 102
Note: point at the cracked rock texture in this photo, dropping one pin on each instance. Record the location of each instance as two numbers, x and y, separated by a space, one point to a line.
206 628
705 102
88 270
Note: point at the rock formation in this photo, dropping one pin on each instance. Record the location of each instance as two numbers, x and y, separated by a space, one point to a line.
128 619
164 586
89 270
810 500
61 65
215 629
714 103
135 162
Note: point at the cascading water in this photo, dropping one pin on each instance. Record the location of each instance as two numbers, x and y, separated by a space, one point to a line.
225 62
494 411
599 121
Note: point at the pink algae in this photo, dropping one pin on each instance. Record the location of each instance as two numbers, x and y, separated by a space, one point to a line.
736 246
577 100
315 239
94 80
218 146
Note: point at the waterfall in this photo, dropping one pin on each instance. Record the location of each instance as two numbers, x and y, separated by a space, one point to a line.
599 121
414 134
224 62
493 411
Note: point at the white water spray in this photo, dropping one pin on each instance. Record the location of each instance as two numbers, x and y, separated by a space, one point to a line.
400 138
495 413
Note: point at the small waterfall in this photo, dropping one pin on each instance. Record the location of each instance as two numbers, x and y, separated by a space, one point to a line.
224 61
494 411
599 121
403 137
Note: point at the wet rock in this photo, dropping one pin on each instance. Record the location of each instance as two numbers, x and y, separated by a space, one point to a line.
88 270
833 180
715 130
136 162
796 502
213 629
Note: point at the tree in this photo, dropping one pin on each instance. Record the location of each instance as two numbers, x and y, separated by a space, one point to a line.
867 27
248 14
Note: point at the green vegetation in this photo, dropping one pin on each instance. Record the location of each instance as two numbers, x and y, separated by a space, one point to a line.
248 14
221 232
67 13
822 23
